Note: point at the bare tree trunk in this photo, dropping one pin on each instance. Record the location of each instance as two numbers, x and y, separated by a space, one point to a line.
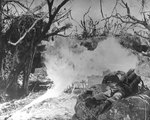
12 81
12 85
23 57
101 8
27 70
1 15
2 52
1 45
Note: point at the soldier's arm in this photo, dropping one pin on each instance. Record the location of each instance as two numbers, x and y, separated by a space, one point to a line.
103 95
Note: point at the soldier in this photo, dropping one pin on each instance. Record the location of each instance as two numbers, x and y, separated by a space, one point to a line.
119 88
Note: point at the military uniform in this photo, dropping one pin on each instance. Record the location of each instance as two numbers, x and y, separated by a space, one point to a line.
119 88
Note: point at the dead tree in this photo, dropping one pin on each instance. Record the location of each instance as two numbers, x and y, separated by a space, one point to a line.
24 35
2 45
130 21
88 26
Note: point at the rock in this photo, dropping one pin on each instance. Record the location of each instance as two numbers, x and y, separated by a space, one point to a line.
81 111
131 108
143 67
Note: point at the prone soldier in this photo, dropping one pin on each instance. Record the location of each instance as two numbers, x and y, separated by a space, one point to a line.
121 85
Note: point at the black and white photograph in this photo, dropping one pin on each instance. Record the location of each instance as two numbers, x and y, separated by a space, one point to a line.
74 59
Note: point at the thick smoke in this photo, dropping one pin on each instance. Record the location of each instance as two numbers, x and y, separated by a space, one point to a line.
67 61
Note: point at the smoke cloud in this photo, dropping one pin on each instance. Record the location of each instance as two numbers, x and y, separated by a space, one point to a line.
67 61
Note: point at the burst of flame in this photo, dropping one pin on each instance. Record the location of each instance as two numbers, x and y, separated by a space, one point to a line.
67 62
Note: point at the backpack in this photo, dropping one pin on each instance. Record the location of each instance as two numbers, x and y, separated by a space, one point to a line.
132 80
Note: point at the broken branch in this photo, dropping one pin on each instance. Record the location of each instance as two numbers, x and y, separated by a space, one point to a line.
67 26
52 16
21 38
101 9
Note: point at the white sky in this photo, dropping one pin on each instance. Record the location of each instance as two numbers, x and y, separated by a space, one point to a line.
79 7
